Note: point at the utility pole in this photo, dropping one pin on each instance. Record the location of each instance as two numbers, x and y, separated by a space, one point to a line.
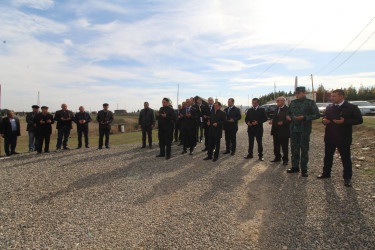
38 102
274 91
178 92
312 85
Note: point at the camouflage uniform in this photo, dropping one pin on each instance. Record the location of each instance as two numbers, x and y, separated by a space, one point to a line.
300 130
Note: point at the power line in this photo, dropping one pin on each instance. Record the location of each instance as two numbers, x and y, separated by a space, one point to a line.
334 58
353 53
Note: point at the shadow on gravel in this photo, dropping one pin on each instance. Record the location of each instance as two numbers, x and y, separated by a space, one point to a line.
172 184
344 222
284 202
226 181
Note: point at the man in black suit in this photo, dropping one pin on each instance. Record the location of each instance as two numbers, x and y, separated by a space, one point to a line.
177 125
104 118
200 110
339 119
64 118
215 127
82 119
233 115
43 127
146 122
206 116
166 118
10 131
280 131
31 128
189 116
255 117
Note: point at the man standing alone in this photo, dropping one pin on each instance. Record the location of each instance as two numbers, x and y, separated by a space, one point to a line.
64 118
31 128
233 115
339 119
255 117
104 118
82 119
146 122
11 130
280 131
301 113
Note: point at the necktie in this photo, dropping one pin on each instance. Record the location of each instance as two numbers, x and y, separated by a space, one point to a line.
210 108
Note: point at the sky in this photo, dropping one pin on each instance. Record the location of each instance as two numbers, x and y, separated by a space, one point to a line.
126 52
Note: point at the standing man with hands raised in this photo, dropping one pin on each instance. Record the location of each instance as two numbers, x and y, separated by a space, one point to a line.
233 115
338 120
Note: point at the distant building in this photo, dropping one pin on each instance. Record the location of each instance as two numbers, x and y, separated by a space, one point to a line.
120 112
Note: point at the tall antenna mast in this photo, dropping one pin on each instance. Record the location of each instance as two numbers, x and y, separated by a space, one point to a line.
178 92
38 102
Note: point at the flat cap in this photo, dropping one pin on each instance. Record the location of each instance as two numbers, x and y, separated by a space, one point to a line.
105 104
35 106
300 89
44 107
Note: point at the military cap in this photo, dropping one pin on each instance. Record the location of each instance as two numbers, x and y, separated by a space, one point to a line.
105 104
300 89
44 107
35 106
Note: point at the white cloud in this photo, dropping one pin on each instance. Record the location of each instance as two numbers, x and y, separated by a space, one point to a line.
36 4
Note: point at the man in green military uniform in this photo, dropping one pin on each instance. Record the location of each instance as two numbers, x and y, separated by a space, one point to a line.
301 113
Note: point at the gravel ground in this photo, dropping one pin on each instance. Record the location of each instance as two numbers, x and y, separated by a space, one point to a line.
125 197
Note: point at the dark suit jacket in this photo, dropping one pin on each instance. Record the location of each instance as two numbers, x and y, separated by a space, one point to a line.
146 119
82 116
234 114
281 131
45 128
189 123
219 118
61 114
1 125
341 134
206 111
7 127
30 121
105 117
258 115
167 123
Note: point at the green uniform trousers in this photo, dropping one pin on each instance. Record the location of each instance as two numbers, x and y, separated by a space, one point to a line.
300 150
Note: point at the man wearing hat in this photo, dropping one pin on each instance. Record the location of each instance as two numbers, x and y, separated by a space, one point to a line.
82 119
43 127
166 118
31 128
301 113
104 118
10 131
64 118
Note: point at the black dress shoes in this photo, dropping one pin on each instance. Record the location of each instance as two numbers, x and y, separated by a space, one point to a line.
160 155
168 157
261 158
191 153
87 146
323 176
276 160
226 152
292 170
304 174
248 157
183 152
207 158
144 146
285 163
107 147
347 182
233 153
215 159
14 153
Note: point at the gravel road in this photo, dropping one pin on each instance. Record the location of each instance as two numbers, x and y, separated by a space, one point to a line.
124 197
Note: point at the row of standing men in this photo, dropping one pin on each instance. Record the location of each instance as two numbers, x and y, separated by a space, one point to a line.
39 128
292 123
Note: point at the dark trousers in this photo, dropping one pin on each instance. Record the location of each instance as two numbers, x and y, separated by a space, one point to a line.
300 143
46 139
33 140
344 151
206 137
165 141
258 137
177 131
63 132
284 144
213 143
104 132
85 131
10 142
230 139
147 130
